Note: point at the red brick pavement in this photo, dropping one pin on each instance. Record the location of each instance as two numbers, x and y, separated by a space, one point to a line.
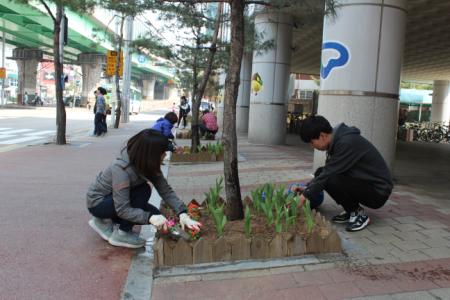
336 283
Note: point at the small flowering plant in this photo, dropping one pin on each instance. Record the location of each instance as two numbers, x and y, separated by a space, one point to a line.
174 228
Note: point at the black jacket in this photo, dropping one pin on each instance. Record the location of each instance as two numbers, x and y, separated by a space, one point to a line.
352 154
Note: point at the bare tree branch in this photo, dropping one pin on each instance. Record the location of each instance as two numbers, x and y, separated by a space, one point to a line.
48 10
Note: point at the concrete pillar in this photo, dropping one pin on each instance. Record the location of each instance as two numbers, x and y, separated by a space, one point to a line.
91 67
268 102
148 87
440 108
243 100
27 62
220 107
172 92
360 76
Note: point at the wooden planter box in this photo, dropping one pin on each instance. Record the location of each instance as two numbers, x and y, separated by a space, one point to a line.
196 157
323 239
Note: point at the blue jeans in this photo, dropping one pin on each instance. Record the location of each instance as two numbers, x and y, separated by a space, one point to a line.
138 198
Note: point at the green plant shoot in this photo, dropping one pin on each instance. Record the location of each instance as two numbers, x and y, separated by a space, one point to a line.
248 225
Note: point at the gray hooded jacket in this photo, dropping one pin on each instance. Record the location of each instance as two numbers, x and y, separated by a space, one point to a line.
118 179
352 154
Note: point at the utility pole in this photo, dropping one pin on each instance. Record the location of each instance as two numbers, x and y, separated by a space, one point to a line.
127 70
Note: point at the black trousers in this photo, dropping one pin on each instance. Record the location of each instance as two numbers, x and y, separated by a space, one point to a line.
100 125
182 115
138 198
352 192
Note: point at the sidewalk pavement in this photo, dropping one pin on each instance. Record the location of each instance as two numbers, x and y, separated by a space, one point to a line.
403 254
48 251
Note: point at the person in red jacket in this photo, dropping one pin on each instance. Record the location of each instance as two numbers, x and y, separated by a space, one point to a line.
208 124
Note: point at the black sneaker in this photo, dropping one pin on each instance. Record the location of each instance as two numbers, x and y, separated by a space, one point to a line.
343 217
358 221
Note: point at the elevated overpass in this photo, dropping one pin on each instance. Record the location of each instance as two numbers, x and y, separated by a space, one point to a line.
30 29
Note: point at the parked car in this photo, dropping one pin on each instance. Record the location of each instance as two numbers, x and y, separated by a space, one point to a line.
205 106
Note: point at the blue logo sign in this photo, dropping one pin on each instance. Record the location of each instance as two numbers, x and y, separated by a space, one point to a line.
141 59
341 61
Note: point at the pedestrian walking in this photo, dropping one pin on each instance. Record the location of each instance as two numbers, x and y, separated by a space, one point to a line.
118 198
354 173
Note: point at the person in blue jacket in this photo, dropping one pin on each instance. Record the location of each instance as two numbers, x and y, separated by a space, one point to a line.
165 126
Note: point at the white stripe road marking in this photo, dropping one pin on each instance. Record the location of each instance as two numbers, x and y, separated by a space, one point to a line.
19 131
4 128
4 136
40 132
21 140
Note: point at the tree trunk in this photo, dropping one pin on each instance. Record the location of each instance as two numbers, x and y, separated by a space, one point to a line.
234 208
59 80
117 77
201 89
195 138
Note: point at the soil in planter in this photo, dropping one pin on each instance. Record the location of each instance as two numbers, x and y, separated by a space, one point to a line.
259 224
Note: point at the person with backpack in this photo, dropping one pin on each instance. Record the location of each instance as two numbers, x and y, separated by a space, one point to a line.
185 108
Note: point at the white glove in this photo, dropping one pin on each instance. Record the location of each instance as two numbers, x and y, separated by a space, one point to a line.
185 220
158 221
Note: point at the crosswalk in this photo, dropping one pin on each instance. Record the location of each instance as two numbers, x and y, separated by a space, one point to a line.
11 136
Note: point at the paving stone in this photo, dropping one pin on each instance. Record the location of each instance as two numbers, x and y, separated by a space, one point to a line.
341 290
386 259
312 278
382 230
407 227
421 295
377 287
383 297
381 239
437 242
407 220
430 224
438 252
232 275
441 294
411 235
302 293
410 245
436 232
409 256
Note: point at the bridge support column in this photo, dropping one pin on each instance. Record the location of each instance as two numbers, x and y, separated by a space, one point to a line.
148 87
91 67
360 76
27 62
270 80
440 108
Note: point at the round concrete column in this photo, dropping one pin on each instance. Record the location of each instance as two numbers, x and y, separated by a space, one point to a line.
267 118
91 67
243 100
219 108
27 62
361 60
440 108
148 87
